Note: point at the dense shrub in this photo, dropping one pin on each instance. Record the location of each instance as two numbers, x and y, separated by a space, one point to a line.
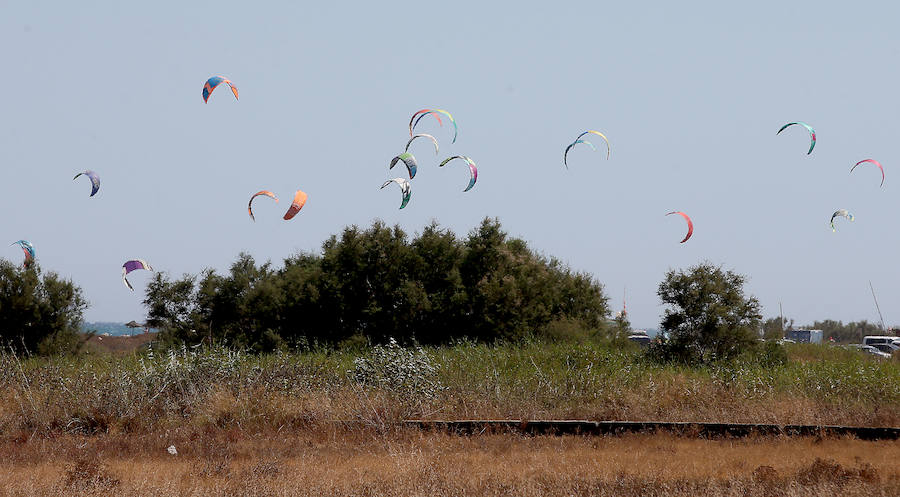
39 313
708 318
368 286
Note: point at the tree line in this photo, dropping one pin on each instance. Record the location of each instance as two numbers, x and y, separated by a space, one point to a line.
852 332
367 286
370 285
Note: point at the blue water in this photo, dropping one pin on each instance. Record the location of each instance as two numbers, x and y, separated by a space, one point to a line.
114 329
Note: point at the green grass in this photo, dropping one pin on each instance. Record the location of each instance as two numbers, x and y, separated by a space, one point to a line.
817 385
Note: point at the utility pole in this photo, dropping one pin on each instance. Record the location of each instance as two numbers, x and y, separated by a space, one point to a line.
876 306
781 310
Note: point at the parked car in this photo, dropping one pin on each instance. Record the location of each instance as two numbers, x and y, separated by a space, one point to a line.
885 343
877 339
641 339
887 348
869 350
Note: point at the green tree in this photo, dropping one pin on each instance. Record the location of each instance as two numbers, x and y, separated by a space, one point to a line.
371 285
852 332
173 308
773 328
39 313
708 316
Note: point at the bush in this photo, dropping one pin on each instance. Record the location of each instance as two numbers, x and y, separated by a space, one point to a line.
769 354
407 371
709 318
375 284
39 313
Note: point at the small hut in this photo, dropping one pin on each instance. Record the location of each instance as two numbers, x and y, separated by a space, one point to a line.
133 324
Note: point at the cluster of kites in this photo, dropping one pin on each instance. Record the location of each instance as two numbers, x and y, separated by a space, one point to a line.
580 140
300 197
812 144
409 160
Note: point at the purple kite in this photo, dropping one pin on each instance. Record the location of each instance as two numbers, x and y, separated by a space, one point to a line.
132 265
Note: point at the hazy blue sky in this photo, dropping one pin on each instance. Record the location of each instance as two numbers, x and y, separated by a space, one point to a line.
690 96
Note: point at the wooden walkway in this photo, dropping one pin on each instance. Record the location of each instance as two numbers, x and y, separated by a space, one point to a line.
698 430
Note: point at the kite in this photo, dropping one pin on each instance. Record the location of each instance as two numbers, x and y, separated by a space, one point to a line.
690 224
424 112
261 192
473 171
571 145
842 213
579 140
28 248
296 205
215 81
133 265
812 134
423 135
873 161
404 189
407 159
95 180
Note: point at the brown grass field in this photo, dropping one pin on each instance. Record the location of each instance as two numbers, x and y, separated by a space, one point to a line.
118 345
329 423
336 460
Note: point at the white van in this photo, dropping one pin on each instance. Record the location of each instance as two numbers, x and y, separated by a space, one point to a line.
884 343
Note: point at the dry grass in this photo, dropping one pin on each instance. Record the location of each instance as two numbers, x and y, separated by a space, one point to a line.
222 388
332 460
118 345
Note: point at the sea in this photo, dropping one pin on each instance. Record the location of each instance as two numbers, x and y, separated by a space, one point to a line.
104 328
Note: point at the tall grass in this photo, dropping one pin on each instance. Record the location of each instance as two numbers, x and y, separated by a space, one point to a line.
379 386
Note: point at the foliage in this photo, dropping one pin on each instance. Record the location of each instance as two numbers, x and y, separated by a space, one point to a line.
221 387
768 354
375 284
39 313
408 371
773 328
709 318
852 332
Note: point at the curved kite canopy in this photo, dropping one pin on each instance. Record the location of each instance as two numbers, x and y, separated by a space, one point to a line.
571 145
261 192
404 189
133 265
95 180
27 248
812 134
215 81
407 159
424 112
841 213
690 224
601 135
473 171
296 205
873 161
423 135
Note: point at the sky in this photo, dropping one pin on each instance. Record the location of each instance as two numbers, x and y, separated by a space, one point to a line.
690 96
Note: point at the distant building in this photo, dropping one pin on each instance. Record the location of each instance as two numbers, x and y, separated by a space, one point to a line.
805 336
